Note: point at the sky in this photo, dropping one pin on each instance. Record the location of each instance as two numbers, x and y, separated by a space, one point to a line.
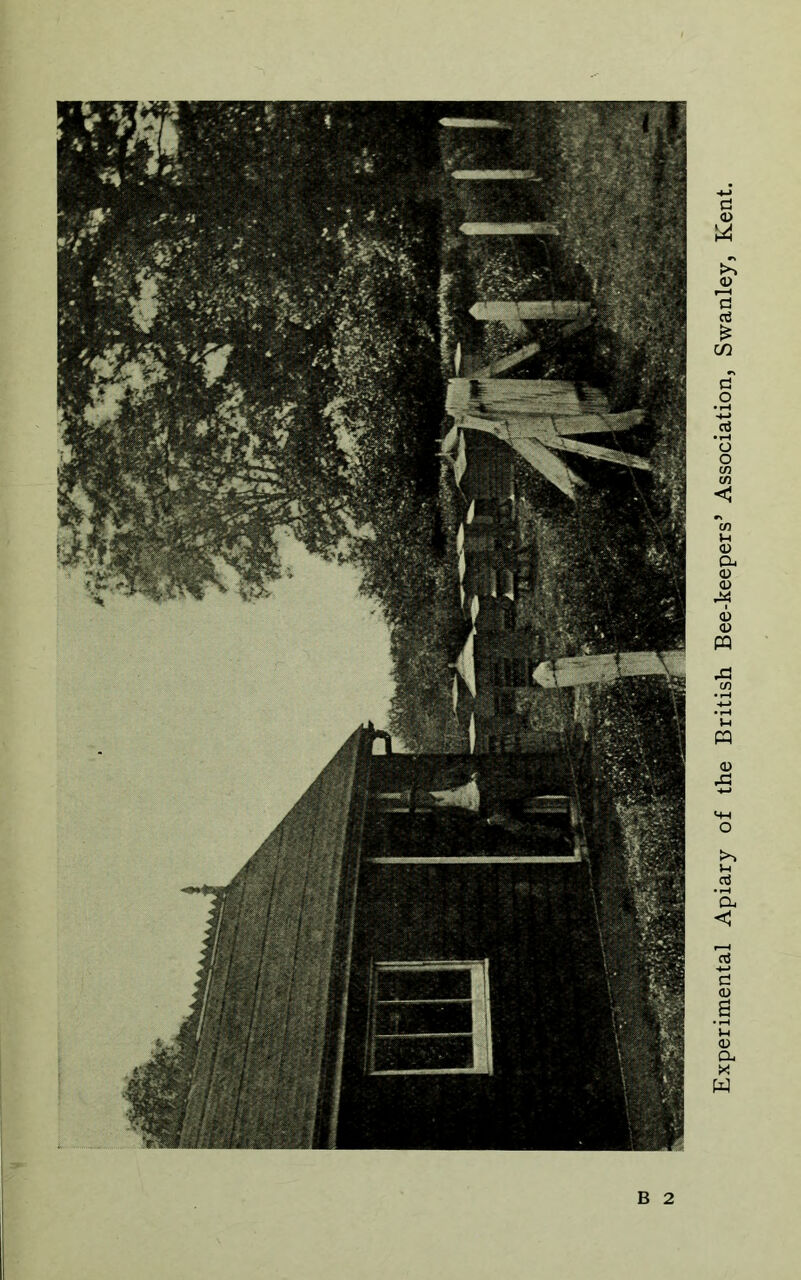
186 731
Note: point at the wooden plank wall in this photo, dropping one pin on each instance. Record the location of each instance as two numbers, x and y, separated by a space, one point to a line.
538 771
556 1081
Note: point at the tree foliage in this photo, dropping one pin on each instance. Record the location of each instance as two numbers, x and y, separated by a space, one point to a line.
155 1092
206 252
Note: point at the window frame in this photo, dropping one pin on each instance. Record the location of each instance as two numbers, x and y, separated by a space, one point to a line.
481 1027
554 803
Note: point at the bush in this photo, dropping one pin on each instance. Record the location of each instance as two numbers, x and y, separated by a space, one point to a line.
155 1092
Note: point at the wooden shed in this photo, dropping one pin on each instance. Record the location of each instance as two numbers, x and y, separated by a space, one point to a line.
411 960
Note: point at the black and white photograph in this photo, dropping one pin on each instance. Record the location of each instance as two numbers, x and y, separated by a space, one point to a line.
398 535
371 624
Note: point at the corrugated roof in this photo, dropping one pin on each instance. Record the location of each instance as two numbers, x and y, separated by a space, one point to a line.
266 1064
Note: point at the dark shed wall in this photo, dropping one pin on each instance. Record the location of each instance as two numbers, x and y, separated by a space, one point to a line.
535 773
556 1081
262 1049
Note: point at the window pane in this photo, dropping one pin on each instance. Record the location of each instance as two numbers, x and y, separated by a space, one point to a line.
397 1019
425 1054
423 984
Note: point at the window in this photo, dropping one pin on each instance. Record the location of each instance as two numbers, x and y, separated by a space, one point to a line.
534 828
429 1016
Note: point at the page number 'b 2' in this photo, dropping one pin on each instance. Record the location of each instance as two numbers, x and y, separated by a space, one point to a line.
644 1197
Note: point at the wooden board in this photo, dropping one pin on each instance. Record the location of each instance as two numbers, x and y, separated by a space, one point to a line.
505 363
549 427
604 668
472 122
509 229
574 328
588 450
547 432
550 466
508 311
495 175
500 396
597 423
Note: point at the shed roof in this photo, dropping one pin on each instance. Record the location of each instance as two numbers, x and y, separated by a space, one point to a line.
466 664
272 975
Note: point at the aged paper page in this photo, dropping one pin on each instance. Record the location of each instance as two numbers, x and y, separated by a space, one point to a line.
724 1204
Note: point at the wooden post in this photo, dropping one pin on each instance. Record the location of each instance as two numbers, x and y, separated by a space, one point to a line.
497 367
493 397
543 428
604 668
529 396
535 435
569 445
572 409
511 311
495 175
592 423
509 229
575 327
550 466
467 122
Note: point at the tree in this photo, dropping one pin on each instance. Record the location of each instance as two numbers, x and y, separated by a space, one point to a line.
199 251
155 1092
190 398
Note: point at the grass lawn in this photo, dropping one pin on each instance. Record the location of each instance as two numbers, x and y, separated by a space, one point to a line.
609 569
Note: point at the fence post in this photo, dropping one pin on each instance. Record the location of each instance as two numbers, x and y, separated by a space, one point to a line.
604 668
495 175
505 363
509 229
530 310
467 122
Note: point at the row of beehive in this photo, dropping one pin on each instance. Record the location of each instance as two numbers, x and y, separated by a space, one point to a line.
492 684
